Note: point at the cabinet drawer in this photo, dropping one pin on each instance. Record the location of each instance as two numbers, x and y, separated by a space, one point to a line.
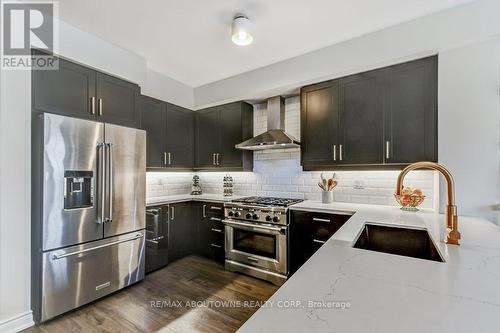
321 225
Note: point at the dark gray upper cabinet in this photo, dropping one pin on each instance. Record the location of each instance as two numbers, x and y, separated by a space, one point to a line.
179 137
411 112
207 135
319 123
170 134
68 91
217 131
383 118
361 120
117 101
78 91
153 120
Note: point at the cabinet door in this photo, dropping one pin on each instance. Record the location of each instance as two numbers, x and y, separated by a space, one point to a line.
117 101
180 137
231 134
207 137
320 122
153 121
182 233
361 119
210 236
411 117
68 91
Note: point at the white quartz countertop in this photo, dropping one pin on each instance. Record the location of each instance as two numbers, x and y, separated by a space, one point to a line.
356 290
188 197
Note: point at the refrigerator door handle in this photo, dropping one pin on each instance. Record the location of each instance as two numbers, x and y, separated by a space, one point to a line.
110 181
101 187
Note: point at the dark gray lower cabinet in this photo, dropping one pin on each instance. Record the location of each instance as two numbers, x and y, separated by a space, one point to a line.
385 118
210 241
182 232
308 232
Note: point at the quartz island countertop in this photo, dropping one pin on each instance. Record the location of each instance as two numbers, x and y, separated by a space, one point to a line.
344 289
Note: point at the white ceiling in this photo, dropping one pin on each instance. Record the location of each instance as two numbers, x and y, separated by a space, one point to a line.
189 40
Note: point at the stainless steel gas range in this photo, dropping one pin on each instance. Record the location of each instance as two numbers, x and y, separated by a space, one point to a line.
256 237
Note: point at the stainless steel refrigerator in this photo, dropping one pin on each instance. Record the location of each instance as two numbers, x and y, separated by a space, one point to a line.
88 211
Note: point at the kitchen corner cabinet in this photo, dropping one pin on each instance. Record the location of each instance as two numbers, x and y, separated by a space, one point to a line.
77 91
385 118
217 131
170 134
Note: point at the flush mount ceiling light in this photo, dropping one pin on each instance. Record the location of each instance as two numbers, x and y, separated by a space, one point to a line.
241 33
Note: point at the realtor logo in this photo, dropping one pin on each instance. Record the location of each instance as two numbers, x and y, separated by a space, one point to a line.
25 26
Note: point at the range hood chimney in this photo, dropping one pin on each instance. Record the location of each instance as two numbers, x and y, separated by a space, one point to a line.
275 137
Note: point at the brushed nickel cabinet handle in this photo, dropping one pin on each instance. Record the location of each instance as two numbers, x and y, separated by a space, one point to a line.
165 158
321 220
169 158
334 152
172 217
217 158
215 219
215 208
100 107
92 105
340 152
216 246
387 150
204 208
217 230
319 241
213 159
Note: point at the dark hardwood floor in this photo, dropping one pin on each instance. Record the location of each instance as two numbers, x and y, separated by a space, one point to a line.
220 307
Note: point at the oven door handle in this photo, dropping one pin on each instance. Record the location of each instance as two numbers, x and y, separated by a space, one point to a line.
253 227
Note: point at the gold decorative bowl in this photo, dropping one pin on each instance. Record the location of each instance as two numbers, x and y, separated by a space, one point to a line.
409 202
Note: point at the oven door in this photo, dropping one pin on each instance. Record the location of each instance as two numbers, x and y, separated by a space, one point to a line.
258 245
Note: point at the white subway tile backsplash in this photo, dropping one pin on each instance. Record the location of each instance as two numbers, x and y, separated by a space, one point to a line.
279 173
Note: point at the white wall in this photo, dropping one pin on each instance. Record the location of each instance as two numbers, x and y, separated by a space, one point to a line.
469 125
15 111
428 35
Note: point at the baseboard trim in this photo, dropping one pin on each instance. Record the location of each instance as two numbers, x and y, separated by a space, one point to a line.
17 323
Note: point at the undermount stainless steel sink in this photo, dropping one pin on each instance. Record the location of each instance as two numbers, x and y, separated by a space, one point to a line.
401 241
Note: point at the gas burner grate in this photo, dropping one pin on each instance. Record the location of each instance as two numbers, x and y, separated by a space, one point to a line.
267 201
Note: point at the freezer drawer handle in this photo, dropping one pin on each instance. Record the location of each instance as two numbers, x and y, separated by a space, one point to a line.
60 256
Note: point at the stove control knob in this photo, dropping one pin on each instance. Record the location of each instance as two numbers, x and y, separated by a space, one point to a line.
268 218
276 219
248 216
255 216
237 214
231 213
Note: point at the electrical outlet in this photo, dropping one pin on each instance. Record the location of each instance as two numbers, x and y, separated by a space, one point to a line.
359 185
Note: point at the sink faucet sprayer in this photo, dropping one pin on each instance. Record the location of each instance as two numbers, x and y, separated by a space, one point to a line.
453 235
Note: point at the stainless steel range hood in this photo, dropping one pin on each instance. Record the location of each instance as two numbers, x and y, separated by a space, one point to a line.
275 137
